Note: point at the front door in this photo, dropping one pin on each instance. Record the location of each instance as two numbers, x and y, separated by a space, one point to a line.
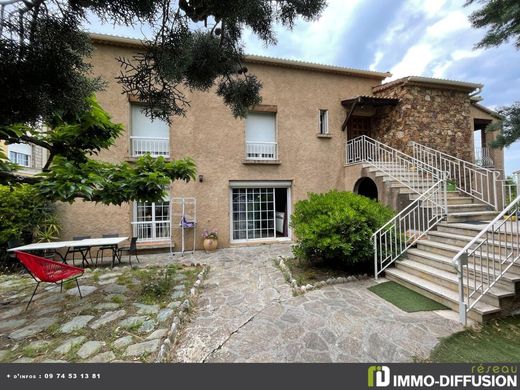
359 125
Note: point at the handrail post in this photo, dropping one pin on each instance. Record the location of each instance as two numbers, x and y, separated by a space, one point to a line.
462 260
374 238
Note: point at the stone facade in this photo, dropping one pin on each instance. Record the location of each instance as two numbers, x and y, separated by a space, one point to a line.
437 117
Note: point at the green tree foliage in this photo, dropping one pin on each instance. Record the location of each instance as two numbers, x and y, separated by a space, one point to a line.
195 44
510 126
70 173
337 227
23 213
46 82
501 18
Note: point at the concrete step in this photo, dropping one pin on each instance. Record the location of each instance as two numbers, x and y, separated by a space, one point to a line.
461 229
472 216
459 200
467 207
507 282
481 312
495 296
497 247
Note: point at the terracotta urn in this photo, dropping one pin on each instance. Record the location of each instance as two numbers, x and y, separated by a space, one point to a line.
210 244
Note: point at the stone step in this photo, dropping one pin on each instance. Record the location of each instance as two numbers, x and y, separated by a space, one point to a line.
472 216
482 311
467 207
498 247
445 263
450 280
459 200
461 229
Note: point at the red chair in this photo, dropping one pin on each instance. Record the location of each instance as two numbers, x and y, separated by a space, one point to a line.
48 271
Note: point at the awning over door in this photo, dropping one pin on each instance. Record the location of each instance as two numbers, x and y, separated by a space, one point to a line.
365 101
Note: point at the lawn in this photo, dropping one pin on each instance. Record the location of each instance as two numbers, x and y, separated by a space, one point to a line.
404 298
495 341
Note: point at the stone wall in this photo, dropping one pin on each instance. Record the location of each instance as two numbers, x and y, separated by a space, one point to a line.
435 117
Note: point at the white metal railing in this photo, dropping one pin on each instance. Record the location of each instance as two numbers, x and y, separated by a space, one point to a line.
487 257
414 174
483 157
261 150
508 191
419 217
152 230
409 226
478 182
154 146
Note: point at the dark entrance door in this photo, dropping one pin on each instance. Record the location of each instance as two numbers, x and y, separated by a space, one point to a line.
359 125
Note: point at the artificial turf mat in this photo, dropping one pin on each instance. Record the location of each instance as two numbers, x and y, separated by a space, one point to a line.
404 298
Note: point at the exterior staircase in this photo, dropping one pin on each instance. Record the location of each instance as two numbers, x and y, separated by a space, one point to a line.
452 247
428 267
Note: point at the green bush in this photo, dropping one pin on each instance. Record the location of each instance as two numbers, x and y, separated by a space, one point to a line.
337 227
22 213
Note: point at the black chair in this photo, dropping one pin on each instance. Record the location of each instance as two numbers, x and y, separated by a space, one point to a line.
82 250
131 250
102 248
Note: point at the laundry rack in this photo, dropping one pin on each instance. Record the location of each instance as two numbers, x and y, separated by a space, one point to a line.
184 218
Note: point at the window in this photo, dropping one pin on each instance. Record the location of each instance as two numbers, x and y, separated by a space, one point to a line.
148 136
324 121
151 221
261 136
20 154
259 213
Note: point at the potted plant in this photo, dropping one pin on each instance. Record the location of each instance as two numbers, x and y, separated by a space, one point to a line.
210 240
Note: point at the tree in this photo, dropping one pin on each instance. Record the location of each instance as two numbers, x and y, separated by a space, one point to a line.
44 74
71 138
510 126
502 18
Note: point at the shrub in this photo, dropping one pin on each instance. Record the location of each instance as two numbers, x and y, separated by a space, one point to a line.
337 227
22 213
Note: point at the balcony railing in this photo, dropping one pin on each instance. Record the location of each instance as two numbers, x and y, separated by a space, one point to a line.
483 157
152 230
261 150
154 146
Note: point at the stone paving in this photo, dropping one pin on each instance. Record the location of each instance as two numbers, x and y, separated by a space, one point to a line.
247 313
120 318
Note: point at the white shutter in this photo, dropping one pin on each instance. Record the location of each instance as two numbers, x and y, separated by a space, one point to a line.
261 127
20 148
143 126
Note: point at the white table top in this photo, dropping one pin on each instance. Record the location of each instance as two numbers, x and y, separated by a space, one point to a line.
70 244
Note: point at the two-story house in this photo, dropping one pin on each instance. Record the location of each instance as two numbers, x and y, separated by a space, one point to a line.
252 171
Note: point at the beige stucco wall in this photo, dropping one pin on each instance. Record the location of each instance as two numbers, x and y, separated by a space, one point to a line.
216 140
496 154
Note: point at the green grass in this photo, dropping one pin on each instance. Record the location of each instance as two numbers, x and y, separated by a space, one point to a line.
495 341
404 298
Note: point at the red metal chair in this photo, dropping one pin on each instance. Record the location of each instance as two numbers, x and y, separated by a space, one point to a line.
48 271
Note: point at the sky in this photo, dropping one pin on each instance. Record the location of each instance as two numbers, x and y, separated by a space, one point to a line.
430 38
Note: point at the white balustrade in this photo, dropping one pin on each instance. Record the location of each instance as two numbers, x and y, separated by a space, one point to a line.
154 146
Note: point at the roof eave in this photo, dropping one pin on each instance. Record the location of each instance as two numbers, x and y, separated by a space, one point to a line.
254 59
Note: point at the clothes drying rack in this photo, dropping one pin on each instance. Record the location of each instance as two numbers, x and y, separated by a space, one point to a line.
184 218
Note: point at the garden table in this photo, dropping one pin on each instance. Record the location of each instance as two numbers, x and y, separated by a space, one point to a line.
88 243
